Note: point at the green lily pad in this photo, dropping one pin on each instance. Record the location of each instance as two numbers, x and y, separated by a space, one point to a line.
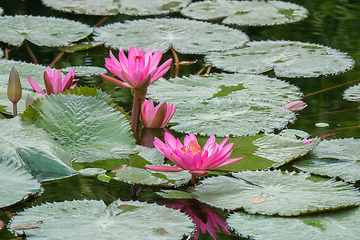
87 127
16 183
224 104
333 225
113 7
253 13
30 146
334 158
174 194
81 46
286 58
85 71
322 124
352 93
93 220
294 133
284 194
42 31
161 34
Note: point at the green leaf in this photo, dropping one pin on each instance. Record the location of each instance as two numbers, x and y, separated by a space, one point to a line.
332 225
130 220
286 58
16 183
285 194
352 93
161 34
82 46
174 194
42 31
86 126
334 158
28 145
246 12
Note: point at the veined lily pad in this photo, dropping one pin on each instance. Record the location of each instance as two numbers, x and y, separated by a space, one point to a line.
42 31
285 194
326 226
31 147
184 35
352 93
93 220
16 183
253 13
286 58
224 104
85 71
112 7
87 126
334 158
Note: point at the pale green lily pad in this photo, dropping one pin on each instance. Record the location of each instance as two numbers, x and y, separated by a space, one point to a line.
286 58
85 71
80 46
184 35
322 125
352 93
294 133
16 183
42 31
227 104
253 13
93 220
334 158
87 126
30 146
92 171
146 177
285 194
112 7
174 194
333 225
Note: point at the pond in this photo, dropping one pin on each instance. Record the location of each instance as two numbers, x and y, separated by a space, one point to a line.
309 188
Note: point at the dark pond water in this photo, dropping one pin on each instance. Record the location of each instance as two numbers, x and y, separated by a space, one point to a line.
334 23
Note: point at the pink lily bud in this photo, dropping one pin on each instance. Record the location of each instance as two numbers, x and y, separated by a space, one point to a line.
14 90
307 141
158 117
295 106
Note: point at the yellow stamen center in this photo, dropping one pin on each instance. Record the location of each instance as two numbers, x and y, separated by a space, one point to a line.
193 146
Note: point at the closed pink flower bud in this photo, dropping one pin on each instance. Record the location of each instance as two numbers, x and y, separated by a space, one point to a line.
295 106
158 117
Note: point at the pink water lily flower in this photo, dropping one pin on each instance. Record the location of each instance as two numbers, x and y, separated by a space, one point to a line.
138 70
54 83
295 106
158 117
189 156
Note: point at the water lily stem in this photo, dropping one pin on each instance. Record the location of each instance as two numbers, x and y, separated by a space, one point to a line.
135 111
193 179
15 113
31 53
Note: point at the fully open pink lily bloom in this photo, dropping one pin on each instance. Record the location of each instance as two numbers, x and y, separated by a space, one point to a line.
54 83
189 156
138 70
158 117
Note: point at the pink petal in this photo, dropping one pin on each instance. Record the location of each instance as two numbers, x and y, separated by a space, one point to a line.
115 81
228 162
35 86
199 172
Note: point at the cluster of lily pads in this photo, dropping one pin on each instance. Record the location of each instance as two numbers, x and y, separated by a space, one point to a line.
82 131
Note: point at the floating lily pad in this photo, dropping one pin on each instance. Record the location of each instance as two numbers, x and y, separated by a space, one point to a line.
286 194
42 31
253 13
294 133
286 58
334 158
81 46
30 146
16 183
93 220
184 35
112 7
352 93
224 104
326 226
85 71
87 126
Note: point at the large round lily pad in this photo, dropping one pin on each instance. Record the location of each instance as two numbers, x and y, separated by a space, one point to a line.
16 183
284 194
332 225
42 31
286 58
184 35
251 13
113 7
90 219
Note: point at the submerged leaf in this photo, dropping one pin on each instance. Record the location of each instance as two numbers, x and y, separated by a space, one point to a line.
286 58
286 194
253 13
162 33
42 31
